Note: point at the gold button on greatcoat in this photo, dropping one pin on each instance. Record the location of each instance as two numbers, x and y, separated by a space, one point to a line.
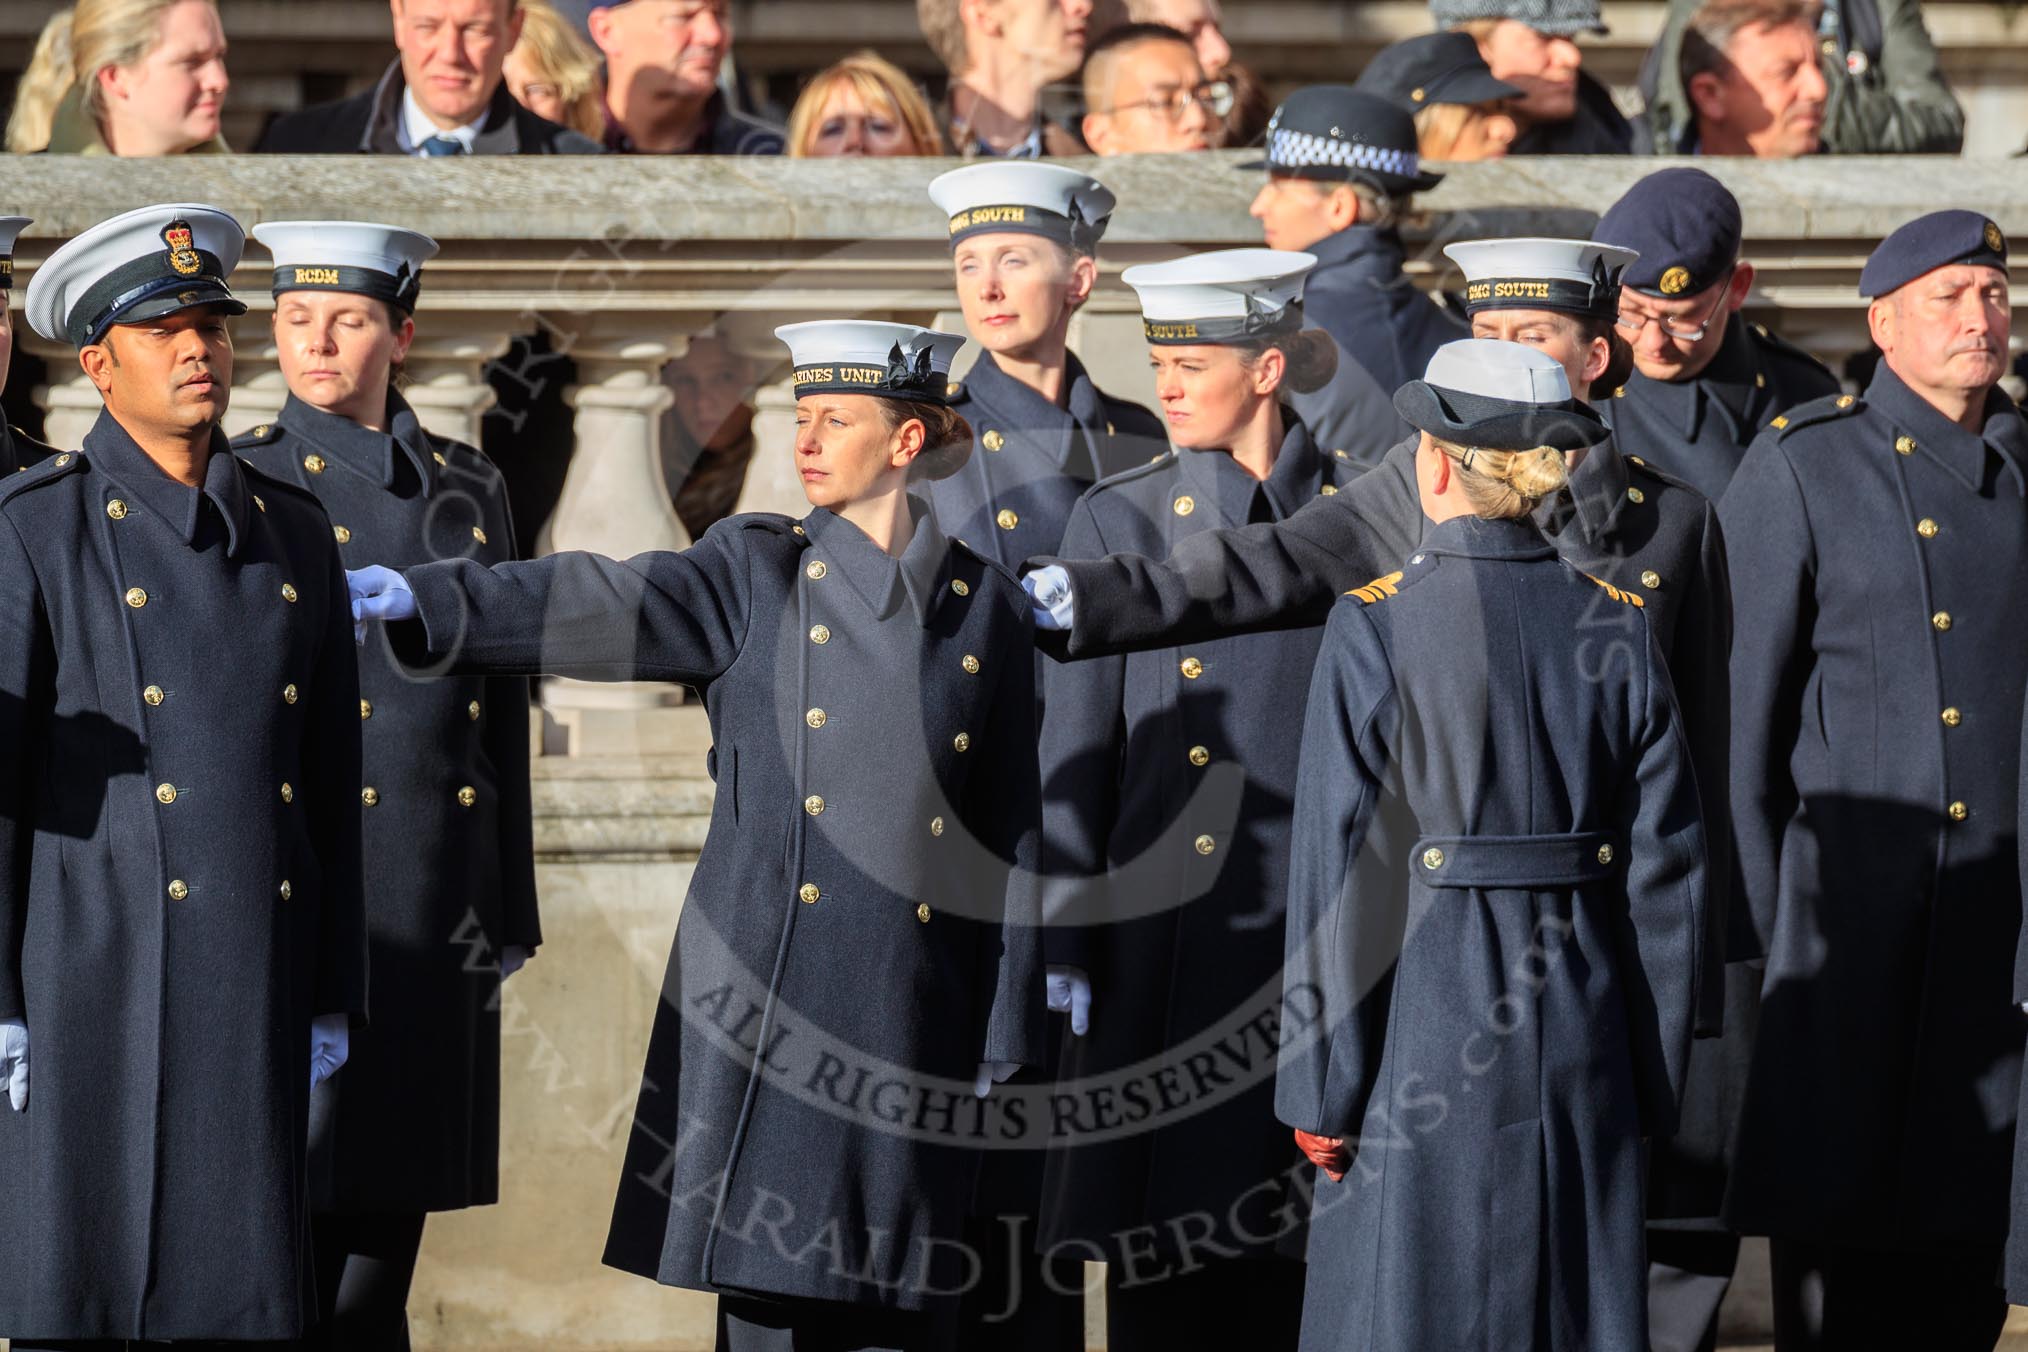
1636 496
958 586
341 535
815 570
970 664
1329 490
370 796
963 741
365 709
314 463
1605 854
1200 756
289 694
1844 401
63 460
1205 844
117 510
438 456
808 892
815 718
820 633
472 711
165 793
258 502
922 912
936 826
287 891
992 440
479 535
1191 668
136 597
1007 519
1432 858
1959 812
1951 717
1942 620
467 796
814 804
1906 445
289 592
1651 579
1926 528
288 792
153 694
178 889
1185 505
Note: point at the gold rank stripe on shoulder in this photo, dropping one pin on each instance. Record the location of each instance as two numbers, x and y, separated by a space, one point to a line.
1379 589
1617 594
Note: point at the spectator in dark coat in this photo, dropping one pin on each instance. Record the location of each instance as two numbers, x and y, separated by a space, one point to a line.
181 932
663 59
1880 543
445 94
1496 898
414 1124
865 910
1532 43
18 450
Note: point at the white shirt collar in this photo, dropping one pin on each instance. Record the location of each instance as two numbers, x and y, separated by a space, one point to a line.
416 126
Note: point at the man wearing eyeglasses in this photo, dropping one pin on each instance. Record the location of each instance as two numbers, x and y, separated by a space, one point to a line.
1146 92
1705 381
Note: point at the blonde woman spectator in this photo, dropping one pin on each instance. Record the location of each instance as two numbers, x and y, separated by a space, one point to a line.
863 105
123 77
553 73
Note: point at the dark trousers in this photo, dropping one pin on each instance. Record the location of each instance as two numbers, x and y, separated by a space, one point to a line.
1255 1304
751 1325
1828 1298
364 1265
1689 1272
1022 1301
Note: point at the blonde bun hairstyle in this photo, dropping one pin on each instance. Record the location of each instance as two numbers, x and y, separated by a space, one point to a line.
1504 484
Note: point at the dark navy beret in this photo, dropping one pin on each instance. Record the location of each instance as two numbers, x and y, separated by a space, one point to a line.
1931 242
1685 225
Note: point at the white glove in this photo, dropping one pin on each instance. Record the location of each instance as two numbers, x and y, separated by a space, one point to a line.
14 1062
1049 597
992 1073
512 959
1069 991
330 1044
377 594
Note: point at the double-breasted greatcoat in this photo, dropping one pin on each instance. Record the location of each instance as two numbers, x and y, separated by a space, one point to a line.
1168 779
1496 902
862 927
1880 565
413 1122
1698 429
1620 519
179 888
1031 459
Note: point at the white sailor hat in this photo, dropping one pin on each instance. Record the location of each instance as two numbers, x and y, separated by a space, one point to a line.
1024 197
380 261
1227 296
1576 276
139 265
860 356
1498 396
10 228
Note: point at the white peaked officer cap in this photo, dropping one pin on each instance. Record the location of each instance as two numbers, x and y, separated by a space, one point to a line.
140 265
381 261
860 356
1575 276
1498 396
10 229
1227 296
1024 197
